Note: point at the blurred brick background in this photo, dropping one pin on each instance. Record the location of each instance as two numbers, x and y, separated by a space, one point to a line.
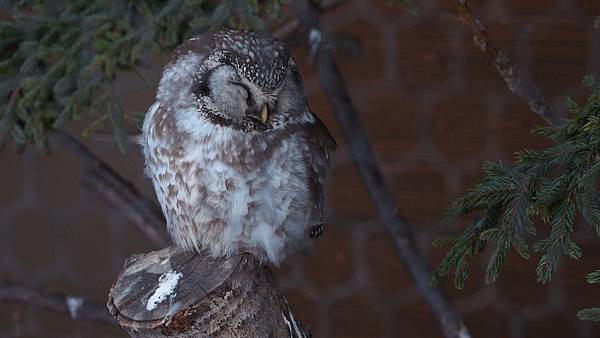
435 109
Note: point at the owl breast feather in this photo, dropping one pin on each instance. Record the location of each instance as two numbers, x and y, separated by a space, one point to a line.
225 191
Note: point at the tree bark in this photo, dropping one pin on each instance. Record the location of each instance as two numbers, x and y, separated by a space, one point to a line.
509 71
379 191
173 293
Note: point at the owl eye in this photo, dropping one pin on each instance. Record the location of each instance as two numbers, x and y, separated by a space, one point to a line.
249 100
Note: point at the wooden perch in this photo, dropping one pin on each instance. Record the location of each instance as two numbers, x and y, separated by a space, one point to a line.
173 293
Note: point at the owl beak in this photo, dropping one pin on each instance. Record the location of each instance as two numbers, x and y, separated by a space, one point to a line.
264 114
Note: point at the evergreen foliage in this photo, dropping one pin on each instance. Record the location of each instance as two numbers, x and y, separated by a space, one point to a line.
548 186
594 312
58 60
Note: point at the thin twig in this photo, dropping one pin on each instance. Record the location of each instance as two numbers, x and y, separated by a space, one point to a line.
75 307
509 71
381 195
114 189
285 30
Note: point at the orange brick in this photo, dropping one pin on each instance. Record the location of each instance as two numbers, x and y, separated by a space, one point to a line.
355 70
591 7
422 59
391 119
387 272
12 166
486 322
414 320
88 232
390 9
531 7
560 55
354 317
347 194
460 127
58 186
553 326
420 192
304 309
31 234
333 265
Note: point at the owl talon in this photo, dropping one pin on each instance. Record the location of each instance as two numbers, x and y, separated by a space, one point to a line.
316 231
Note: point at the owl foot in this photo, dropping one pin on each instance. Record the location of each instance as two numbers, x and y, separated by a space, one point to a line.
316 230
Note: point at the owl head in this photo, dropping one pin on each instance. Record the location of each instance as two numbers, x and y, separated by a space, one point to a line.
243 80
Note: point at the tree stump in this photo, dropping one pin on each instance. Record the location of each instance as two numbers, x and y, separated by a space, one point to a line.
174 293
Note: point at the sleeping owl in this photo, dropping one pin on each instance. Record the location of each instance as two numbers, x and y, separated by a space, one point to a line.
236 157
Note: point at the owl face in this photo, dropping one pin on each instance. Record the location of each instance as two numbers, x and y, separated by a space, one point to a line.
243 80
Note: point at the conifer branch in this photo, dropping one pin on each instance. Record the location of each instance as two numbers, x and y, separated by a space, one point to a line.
380 193
509 71
75 307
59 60
551 185
592 314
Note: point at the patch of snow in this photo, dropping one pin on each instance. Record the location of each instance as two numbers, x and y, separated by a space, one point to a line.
167 283
73 304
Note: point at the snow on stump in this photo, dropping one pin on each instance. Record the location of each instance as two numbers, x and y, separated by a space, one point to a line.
173 293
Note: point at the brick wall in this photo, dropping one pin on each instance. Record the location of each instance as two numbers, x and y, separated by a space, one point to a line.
435 109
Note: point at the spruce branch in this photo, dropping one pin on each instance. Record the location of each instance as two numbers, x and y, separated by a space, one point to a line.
550 185
59 60
594 277
592 314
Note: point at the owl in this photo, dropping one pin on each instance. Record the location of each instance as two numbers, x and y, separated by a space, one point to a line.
236 157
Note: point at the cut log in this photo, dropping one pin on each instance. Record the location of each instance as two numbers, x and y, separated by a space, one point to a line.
173 293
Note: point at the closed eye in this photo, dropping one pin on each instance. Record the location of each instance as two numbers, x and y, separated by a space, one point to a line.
249 100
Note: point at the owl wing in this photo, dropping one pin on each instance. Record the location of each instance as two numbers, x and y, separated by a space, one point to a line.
321 147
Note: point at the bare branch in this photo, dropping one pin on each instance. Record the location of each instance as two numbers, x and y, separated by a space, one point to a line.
114 189
381 195
75 307
285 30
509 71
